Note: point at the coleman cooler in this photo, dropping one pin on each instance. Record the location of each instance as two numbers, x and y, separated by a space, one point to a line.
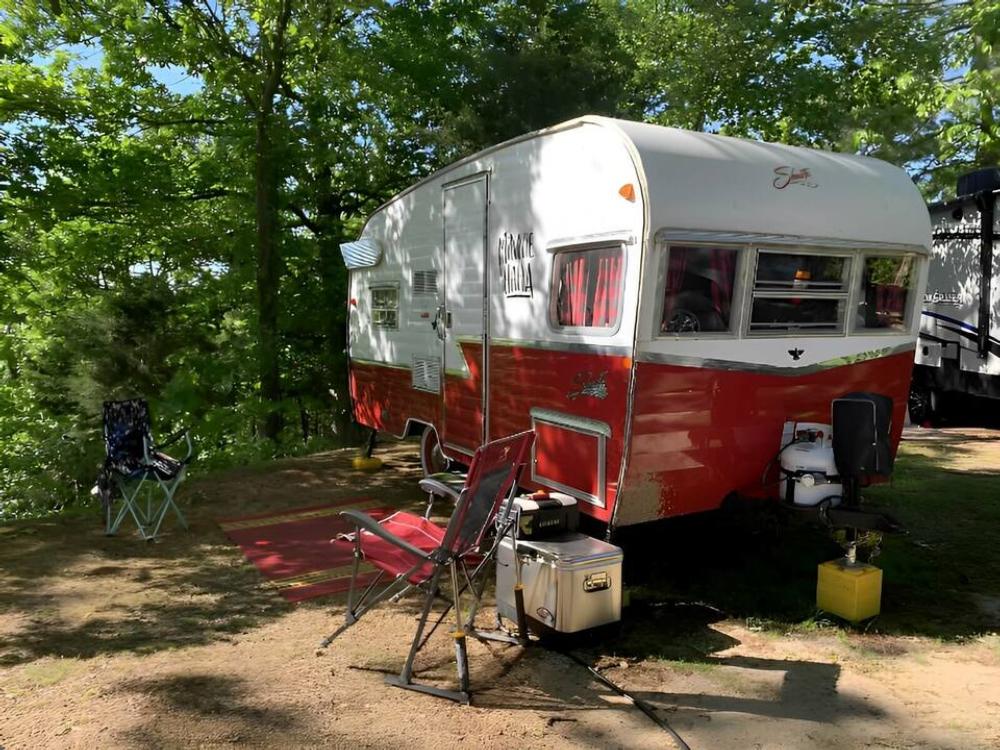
572 582
543 514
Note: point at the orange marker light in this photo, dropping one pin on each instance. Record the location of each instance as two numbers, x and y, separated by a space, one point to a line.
626 363
627 191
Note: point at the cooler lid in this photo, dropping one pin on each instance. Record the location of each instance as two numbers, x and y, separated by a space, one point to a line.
571 548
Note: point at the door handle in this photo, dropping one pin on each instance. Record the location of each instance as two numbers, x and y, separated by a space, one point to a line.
438 324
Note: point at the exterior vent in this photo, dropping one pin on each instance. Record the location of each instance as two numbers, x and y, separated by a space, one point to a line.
427 374
425 282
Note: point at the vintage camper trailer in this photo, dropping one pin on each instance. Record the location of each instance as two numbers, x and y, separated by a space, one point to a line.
657 304
959 347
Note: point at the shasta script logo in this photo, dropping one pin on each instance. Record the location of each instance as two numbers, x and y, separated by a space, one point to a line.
785 176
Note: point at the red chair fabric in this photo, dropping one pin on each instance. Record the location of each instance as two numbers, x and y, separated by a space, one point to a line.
416 530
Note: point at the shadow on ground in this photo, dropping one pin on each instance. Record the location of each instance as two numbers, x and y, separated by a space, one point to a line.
941 578
69 591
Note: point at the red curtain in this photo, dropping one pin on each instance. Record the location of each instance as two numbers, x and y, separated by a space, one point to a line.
721 274
609 288
676 266
723 263
590 288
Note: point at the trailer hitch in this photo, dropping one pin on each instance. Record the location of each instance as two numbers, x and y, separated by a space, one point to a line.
870 519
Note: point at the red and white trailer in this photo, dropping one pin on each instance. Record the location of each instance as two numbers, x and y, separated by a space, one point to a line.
656 304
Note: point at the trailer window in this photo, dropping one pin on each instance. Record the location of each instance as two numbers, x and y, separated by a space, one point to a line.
799 292
385 307
698 292
588 287
886 282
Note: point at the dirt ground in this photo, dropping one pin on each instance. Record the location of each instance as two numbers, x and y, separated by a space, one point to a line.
117 643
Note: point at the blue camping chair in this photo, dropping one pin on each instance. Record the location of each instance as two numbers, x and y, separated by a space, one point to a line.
134 463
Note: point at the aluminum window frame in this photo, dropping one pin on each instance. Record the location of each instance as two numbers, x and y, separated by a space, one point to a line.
913 306
382 286
846 296
582 247
736 304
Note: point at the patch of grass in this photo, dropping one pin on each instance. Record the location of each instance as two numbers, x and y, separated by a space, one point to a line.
760 570
49 672
952 551
690 667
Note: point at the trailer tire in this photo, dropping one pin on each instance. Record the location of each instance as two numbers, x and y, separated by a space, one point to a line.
432 458
923 404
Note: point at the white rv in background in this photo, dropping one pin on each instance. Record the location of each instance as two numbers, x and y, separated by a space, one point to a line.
958 352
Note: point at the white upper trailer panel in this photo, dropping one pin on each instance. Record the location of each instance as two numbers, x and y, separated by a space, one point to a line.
714 183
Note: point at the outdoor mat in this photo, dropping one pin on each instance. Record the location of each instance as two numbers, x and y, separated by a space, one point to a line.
292 548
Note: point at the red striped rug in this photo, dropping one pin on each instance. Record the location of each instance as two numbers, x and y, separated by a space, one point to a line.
293 548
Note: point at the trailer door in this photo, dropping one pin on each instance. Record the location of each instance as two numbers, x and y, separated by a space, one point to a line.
465 313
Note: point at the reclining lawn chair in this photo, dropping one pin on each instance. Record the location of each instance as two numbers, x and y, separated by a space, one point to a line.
416 553
135 462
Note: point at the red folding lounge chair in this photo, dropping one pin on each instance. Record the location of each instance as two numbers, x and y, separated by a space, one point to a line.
415 553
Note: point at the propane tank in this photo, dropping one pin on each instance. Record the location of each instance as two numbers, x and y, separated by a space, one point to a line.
808 467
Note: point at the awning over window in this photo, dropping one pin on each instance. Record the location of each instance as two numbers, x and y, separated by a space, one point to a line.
362 253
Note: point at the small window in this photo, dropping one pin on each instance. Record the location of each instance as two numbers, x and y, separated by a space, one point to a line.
885 290
799 292
588 288
385 307
698 291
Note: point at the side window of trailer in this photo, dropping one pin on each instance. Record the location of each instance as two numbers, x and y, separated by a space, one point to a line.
385 306
587 287
698 290
885 293
796 292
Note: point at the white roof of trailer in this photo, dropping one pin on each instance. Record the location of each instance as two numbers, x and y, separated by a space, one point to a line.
717 184
705 184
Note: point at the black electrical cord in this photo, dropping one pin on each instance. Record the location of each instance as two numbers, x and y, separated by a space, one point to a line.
637 702
767 467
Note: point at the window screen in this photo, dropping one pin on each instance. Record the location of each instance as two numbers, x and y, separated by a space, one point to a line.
588 287
698 290
885 290
795 292
385 307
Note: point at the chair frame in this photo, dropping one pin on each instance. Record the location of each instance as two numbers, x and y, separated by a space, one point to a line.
145 476
463 577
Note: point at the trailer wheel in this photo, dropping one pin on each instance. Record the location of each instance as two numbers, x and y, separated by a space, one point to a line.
432 459
923 404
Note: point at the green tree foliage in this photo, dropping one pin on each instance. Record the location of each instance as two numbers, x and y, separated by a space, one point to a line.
176 175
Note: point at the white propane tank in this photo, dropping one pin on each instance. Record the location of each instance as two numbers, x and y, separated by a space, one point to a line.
808 464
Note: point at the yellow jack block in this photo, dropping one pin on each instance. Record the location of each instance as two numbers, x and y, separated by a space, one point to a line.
366 463
853 592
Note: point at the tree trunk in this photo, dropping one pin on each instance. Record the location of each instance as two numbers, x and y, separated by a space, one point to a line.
334 277
268 275
266 179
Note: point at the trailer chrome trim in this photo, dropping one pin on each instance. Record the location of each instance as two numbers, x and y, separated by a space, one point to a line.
621 350
668 234
584 241
594 428
721 364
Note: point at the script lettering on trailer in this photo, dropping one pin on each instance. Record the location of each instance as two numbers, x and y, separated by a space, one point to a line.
514 254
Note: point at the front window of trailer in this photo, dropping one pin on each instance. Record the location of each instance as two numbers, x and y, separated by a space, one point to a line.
698 291
799 293
886 285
